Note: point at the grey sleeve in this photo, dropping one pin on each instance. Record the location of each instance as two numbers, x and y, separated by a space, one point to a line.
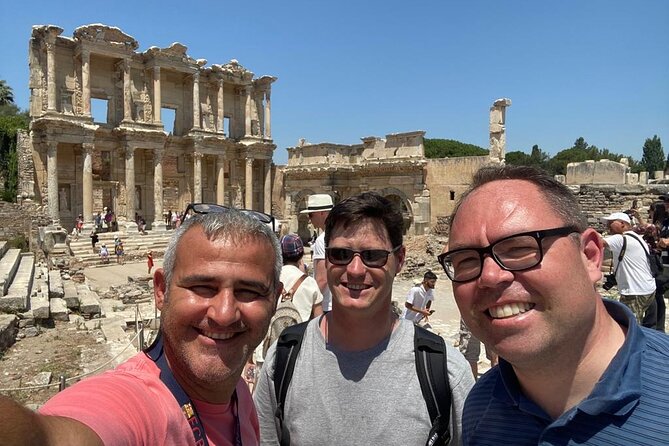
461 381
265 401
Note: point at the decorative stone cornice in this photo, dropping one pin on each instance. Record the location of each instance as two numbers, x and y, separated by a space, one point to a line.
111 35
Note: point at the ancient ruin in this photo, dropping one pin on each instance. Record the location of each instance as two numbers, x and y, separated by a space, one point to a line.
173 130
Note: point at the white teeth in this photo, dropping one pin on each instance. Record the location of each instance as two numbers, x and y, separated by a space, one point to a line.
508 310
351 286
218 336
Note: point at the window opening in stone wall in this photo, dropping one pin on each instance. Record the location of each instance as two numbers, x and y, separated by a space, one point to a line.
100 110
105 171
452 195
226 125
168 116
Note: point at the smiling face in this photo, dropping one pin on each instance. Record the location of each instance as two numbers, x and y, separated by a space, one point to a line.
217 310
525 316
356 286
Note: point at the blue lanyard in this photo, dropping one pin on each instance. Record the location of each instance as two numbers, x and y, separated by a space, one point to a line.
156 353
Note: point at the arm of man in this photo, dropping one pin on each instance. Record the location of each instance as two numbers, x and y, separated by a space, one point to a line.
316 310
416 309
265 401
19 425
320 275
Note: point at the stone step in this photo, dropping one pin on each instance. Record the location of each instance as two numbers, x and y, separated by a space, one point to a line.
8 266
16 299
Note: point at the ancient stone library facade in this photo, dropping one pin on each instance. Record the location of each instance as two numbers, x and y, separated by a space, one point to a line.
173 130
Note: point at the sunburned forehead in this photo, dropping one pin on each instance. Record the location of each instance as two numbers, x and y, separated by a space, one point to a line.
364 226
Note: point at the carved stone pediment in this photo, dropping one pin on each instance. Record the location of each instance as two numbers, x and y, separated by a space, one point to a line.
175 52
235 69
100 33
41 31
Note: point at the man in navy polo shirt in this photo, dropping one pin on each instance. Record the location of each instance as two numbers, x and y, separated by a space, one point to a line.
574 368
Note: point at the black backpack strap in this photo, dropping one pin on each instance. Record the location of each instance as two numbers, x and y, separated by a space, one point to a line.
287 348
431 367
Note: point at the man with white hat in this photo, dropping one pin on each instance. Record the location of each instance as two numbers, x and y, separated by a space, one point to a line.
318 208
630 262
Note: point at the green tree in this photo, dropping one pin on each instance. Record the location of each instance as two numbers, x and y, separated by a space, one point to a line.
653 154
11 121
441 148
6 94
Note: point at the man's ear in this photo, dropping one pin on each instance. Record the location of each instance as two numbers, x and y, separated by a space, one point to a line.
159 288
401 257
592 253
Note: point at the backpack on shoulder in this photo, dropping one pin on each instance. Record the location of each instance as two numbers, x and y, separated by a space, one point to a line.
286 315
431 368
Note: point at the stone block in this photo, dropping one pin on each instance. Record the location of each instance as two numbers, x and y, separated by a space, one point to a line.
89 303
56 289
40 306
70 295
13 303
8 330
58 310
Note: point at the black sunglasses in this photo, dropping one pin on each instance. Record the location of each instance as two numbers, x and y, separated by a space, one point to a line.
207 208
373 258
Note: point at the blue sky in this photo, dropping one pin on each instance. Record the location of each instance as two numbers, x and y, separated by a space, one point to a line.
349 69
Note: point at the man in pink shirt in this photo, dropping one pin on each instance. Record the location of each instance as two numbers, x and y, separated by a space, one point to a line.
216 292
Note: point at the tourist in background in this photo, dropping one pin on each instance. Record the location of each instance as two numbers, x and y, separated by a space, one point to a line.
318 208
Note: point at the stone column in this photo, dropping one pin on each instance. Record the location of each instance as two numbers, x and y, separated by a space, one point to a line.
127 110
86 83
158 222
51 72
268 124
52 180
156 95
220 179
247 122
248 194
235 200
87 183
197 177
221 108
268 186
130 184
196 100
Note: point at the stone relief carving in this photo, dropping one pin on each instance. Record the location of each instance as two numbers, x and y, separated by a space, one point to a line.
176 52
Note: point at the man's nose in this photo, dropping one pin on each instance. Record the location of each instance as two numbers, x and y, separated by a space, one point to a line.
223 308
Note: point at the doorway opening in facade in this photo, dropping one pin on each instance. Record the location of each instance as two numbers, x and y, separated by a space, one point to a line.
100 110
168 116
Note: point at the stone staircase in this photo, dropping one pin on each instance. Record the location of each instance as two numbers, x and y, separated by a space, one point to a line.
30 293
135 245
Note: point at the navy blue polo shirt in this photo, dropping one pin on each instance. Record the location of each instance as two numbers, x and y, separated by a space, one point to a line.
628 406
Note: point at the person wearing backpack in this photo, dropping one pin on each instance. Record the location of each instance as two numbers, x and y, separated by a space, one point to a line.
355 377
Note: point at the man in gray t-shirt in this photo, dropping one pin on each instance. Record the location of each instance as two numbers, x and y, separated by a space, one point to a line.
355 379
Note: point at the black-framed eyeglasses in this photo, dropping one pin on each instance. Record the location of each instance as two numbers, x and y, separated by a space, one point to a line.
516 252
207 208
373 258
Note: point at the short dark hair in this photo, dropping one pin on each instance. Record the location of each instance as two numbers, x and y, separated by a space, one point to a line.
559 197
367 205
429 275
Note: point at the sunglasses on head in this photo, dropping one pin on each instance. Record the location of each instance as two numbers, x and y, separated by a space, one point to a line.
373 258
208 208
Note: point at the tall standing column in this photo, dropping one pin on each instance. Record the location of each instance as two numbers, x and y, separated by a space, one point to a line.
221 108
268 186
86 83
158 189
247 121
52 180
248 195
197 177
130 183
87 182
196 100
235 199
51 72
127 111
220 179
268 124
156 95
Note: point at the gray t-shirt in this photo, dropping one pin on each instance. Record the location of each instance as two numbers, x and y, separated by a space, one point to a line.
357 398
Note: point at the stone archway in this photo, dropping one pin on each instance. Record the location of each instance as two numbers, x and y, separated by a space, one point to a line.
398 198
303 225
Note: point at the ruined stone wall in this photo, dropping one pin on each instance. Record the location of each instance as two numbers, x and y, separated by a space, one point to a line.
22 220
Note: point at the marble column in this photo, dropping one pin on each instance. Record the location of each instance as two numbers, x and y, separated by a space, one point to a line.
87 182
156 95
248 193
268 124
221 108
86 83
52 180
247 121
196 100
130 184
220 179
158 221
51 72
268 186
127 106
197 177
235 200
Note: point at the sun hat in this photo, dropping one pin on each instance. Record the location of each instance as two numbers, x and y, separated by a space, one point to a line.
317 203
617 216
291 245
